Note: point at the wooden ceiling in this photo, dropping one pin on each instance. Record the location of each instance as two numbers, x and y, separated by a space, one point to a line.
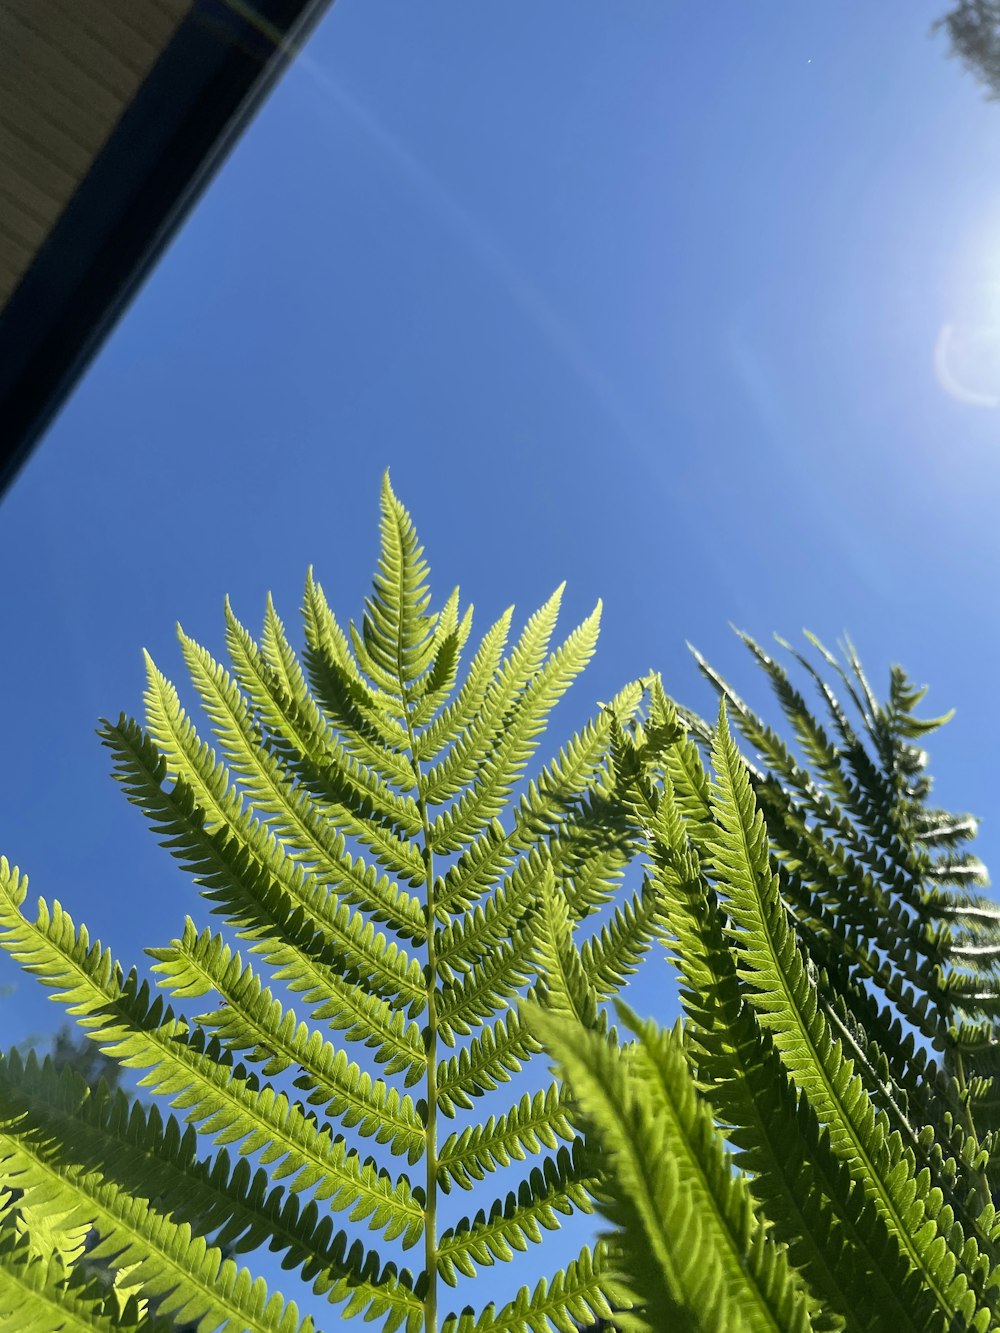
68 69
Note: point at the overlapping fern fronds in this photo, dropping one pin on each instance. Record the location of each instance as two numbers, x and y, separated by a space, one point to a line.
820 952
880 883
364 827
813 1148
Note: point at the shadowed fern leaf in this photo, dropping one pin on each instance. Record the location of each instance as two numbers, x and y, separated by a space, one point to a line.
881 889
868 1164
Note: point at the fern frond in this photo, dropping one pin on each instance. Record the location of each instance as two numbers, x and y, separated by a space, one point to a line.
36 1297
368 783
250 881
352 794
563 982
785 1000
189 1279
488 1060
471 937
260 774
875 784
253 1021
612 956
537 1121
294 817
236 1207
328 649
395 644
365 719
485 989
141 769
591 850
455 717
548 806
499 769
696 1242
906 934
471 746
218 1098
561 1185
576 1295
872 840
807 1192
812 737
263 777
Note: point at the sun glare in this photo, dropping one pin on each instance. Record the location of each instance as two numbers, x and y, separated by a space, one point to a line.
967 363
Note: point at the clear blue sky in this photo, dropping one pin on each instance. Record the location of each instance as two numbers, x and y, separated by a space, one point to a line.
696 306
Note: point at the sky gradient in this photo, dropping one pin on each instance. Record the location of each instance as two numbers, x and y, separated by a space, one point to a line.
696 307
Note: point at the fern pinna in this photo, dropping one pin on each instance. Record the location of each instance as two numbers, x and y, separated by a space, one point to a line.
365 829
822 958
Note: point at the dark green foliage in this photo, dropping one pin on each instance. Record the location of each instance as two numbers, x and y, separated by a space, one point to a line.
838 981
71 1050
973 28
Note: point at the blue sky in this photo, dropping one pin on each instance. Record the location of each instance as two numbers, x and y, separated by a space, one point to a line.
697 307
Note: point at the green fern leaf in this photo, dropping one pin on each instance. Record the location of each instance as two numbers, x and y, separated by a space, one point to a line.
352 822
240 1211
572 1297
36 1297
538 1120
252 1021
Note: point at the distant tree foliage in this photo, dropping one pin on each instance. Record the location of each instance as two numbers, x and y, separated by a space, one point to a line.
973 29
72 1050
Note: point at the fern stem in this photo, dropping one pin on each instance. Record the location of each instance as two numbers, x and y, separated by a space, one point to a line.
430 1225
430 1124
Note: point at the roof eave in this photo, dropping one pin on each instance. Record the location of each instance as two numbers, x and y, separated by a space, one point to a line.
196 101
